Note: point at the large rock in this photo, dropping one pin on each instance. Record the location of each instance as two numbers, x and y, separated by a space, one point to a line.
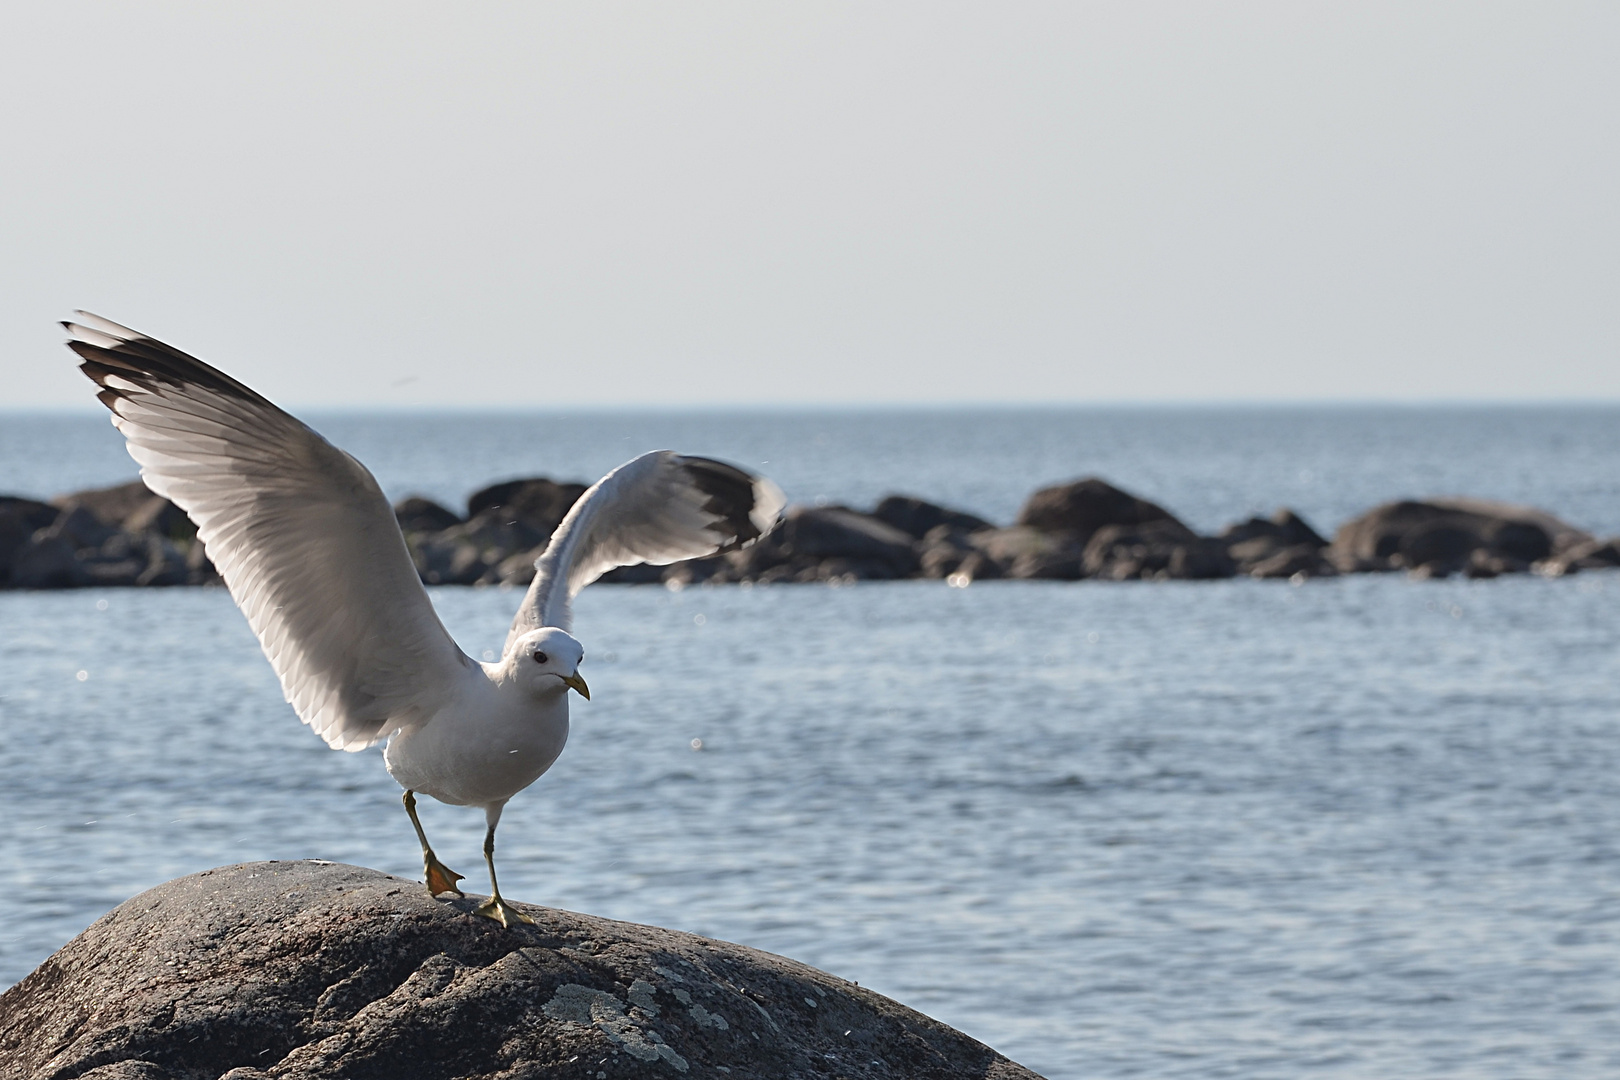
836 532
45 562
1284 528
1437 537
111 504
1281 546
813 543
1160 549
416 514
1090 528
918 517
81 548
949 552
134 508
320 971
1155 550
472 552
80 527
122 535
537 502
1082 507
29 513
1024 552
20 519
506 528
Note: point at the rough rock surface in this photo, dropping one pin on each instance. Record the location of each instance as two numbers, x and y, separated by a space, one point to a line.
316 970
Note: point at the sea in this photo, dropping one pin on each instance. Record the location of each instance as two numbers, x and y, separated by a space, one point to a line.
1355 827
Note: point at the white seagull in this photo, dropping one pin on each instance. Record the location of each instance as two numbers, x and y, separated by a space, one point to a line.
312 554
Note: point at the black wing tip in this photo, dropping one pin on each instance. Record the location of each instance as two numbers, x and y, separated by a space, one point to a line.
107 348
739 498
88 322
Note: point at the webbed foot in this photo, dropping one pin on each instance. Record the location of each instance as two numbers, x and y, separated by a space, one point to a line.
499 910
440 878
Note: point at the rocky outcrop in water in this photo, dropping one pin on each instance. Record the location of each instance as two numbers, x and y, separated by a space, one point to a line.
320 971
506 528
1087 529
122 535
1280 546
1440 537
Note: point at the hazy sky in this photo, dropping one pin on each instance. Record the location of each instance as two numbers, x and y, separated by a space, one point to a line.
548 204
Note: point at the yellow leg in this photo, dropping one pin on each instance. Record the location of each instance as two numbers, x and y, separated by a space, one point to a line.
440 878
496 908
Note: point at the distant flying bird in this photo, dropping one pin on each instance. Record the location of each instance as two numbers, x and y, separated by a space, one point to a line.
312 554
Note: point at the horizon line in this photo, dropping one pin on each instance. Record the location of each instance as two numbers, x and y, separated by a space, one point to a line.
93 408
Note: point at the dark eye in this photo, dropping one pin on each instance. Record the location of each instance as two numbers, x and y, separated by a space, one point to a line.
540 658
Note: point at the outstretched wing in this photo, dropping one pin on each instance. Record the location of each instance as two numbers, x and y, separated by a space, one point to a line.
658 508
298 529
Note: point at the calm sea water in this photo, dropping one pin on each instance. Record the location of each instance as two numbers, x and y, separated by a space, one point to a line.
1363 827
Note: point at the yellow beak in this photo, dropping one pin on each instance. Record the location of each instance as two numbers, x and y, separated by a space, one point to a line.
578 683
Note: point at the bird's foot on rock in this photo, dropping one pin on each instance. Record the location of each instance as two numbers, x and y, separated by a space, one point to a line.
502 912
440 878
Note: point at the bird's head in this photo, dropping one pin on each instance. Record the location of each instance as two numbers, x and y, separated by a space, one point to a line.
547 659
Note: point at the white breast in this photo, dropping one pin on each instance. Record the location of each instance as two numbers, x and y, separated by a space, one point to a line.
482 749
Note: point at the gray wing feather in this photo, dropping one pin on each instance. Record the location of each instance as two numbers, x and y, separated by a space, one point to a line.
658 508
299 530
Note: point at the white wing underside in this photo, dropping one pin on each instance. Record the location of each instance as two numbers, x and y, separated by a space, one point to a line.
658 508
299 530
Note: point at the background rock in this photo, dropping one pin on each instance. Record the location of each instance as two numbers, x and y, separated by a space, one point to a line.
945 550
418 515
817 543
506 528
917 517
111 504
1281 546
1438 537
125 535
28 513
1024 552
46 562
538 502
1082 507
1154 550
20 519
320 971
1095 530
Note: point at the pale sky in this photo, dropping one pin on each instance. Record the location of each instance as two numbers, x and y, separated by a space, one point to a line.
519 205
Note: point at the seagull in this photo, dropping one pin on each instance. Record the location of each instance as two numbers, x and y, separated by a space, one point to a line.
311 552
